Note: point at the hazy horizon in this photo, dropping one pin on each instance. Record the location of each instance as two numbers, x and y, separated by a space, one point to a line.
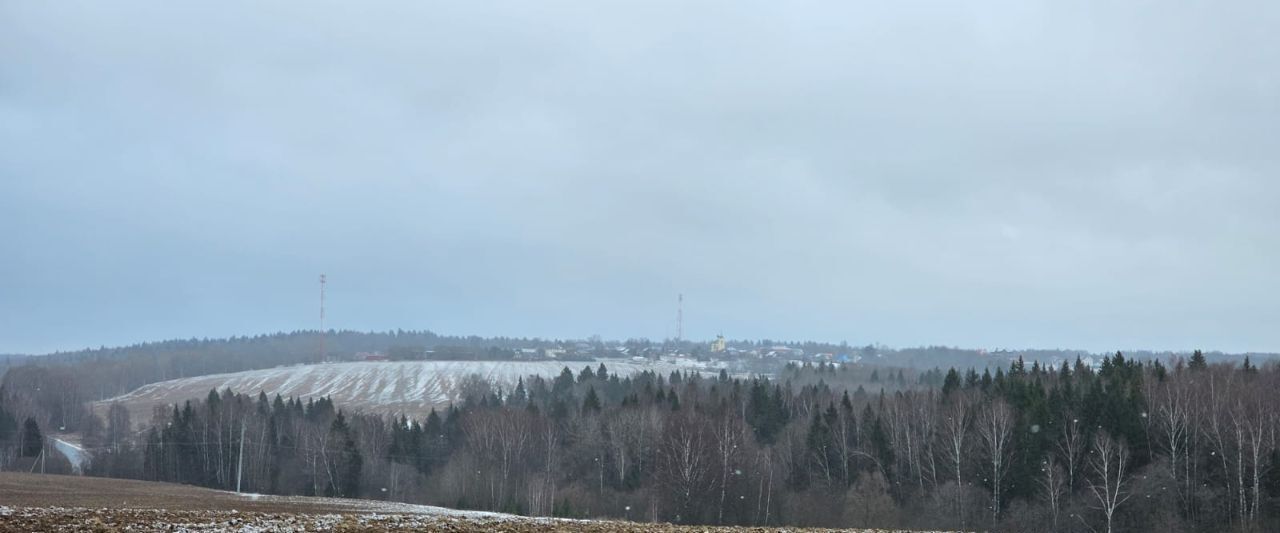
776 341
1009 174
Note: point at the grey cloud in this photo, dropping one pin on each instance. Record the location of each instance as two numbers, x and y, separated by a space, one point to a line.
1003 174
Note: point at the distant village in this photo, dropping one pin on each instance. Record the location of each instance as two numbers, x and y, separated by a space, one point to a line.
719 353
743 356
734 356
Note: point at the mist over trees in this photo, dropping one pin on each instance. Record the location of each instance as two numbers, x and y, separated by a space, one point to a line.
1128 446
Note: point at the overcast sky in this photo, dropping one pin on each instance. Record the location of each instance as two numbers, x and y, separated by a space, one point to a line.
1099 175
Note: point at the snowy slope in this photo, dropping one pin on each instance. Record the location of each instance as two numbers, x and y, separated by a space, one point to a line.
409 387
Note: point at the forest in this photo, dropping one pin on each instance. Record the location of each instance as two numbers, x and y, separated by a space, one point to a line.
1129 446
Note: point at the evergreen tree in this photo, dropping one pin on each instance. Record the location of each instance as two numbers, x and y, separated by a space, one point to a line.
563 384
32 440
951 383
1197 361
591 402
821 443
8 425
518 396
348 462
878 437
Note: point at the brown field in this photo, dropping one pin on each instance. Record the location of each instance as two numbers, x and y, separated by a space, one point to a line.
35 490
33 502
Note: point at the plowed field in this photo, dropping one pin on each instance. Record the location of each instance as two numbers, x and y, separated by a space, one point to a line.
31 502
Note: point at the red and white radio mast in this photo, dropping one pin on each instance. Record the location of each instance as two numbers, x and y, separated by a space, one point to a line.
679 317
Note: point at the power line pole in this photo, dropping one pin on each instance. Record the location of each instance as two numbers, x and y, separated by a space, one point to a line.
323 355
240 458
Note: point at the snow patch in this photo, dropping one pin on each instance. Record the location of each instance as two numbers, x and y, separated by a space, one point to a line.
394 387
74 454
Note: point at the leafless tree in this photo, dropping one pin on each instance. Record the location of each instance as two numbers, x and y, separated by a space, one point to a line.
118 426
686 461
924 422
1052 485
514 433
1108 459
729 436
956 421
845 434
897 417
1071 448
1249 431
1217 406
619 431
1173 402
764 497
542 488
995 428
499 438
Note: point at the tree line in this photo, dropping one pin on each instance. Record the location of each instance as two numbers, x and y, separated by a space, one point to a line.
105 372
1128 446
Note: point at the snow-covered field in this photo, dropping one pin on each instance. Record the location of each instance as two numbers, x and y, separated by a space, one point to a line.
409 387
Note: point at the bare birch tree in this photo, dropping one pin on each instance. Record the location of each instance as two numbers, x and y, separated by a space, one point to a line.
955 431
1052 485
1071 448
729 435
995 430
1108 459
686 462
1173 421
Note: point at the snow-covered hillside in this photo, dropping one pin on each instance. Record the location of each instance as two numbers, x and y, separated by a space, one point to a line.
409 387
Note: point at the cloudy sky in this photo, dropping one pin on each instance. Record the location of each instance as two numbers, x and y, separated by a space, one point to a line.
1096 175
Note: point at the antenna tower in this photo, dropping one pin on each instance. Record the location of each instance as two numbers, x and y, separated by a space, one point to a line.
323 356
679 317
